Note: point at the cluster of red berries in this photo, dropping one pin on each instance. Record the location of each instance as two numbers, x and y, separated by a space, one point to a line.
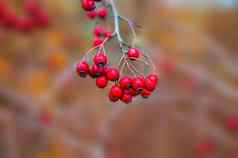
35 17
92 11
125 88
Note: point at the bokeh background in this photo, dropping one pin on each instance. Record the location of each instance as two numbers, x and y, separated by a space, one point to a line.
46 111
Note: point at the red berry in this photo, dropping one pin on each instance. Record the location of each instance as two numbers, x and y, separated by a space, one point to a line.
150 85
24 24
101 82
102 12
91 14
3 9
126 98
153 78
125 82
96 71
145 93
88 5
98 30
31 7
231 123
112 98
100 59
113 74
108 34
116 91
97 41
131 92
10 19
133 53
138 84
41 19
82 69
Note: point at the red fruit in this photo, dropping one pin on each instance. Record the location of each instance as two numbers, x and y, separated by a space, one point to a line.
98 30
102 12
3 9
91 14
9 19
133 53
31 7
108 34
88 5
112 98
205 147
145 93
131 92
100 59
97 41
82 69
231 123
150 85
24 24
138 84
113 74
101 82
153 78
96 71
41 19
126 98
116 91
125 82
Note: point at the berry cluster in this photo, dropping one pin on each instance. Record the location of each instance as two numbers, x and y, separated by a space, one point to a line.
35 17
124 87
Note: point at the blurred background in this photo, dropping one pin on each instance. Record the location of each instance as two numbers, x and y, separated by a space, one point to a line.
46 111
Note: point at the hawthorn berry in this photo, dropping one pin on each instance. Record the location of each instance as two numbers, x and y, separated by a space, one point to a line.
112 74
9 19
138 84
116 91
125 82
88 5
101 82
100 59
153 77
150 85
102 12
96 71
82 69
24 24
108 34
91 14
133 53
145 93
98 30
112 98
97 41
31 7
126 98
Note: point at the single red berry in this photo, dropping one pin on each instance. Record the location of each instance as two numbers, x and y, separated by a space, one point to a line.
145 93
112 98
97 0
101 82
88 5
96 71
3 9
153 77
150 85
24 24
126 98
82 69
108 34
100 59
97 41
9 19
91 14
231 123
133 53
113 74
116 91
125 82
138 84
102 12
98 30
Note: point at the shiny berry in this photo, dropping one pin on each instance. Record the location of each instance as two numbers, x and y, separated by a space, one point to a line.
108 34
88 5
145 93
10 19
125 82
113 74
133 53
102 12
116 91
91 14
97 41
150 85
101 82
100 59
126 98
96 71
98 30
112 98
153 78
138 84
82 69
